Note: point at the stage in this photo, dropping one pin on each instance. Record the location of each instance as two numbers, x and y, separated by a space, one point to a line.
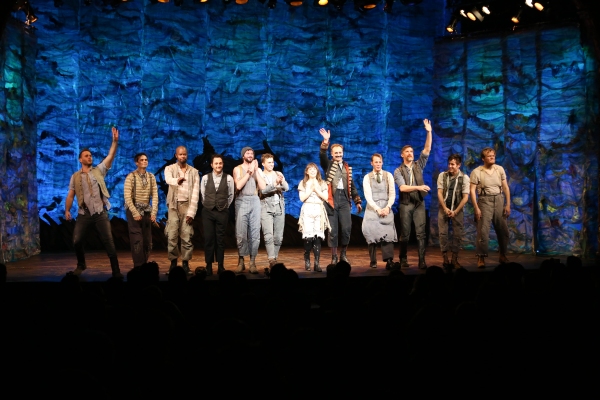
51 267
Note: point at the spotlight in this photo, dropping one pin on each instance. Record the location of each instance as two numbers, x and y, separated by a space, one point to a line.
452 26
241 1
23 5
529 3
293 3
538 5
364 5
517 18
320 3
388 6
463 13
272 4
163 1
471 16
486 9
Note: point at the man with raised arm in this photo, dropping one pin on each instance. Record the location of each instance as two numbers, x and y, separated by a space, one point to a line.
409 178
341 192
92 201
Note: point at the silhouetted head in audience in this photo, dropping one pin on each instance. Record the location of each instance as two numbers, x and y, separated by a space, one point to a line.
3 273
343 268
574 262
278 271
177 275
199 273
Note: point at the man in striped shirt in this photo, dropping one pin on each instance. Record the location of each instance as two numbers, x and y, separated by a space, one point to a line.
141 200
182 204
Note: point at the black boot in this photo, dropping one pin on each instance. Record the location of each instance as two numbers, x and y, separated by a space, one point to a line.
317 253
220 269
186 267
209 270
422 264
172 265
114 266
404 255
373 255
308 244
389 264
343 254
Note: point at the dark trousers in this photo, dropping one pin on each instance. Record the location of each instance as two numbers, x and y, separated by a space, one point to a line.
140 238
82 224
412 212
215 223
341 215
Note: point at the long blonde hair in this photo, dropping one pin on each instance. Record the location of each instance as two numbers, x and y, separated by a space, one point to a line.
306 177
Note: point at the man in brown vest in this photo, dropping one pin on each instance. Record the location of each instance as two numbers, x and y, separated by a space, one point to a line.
92 200
409 178
217 191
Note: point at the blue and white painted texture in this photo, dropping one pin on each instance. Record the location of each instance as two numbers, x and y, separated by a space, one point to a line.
532 97
218 77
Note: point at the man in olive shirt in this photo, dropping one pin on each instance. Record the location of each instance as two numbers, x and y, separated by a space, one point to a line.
488 183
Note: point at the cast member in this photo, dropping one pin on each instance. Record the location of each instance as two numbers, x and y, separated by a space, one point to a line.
92 205
141 200
409 178
378 223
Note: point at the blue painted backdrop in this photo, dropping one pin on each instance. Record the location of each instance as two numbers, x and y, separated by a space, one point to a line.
221 77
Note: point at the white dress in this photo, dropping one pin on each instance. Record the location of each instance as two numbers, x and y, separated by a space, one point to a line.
313 219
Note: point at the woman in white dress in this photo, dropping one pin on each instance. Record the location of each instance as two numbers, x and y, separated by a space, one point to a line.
313 221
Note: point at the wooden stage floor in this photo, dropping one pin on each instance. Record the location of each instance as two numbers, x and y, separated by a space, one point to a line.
51 267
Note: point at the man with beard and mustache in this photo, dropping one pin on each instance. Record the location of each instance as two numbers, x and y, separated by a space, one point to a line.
409 178
92 201
247 210
182 204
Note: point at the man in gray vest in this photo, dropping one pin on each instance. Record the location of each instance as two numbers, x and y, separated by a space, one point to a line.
453 193
92 201
217 192
409 178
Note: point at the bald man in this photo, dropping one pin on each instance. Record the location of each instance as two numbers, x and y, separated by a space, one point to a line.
182 204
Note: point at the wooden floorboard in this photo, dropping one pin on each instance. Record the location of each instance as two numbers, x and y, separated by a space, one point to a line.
51 267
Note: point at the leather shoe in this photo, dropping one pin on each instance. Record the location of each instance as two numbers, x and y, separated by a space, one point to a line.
220 269
503 259
404 263
480 262
389 265
373 264
209 270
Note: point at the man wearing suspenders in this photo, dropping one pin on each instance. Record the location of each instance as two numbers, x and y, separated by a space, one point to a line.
453 194
488 184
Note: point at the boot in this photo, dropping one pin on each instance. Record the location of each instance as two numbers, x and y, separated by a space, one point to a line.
114 266
334 257
308 244
241 267
455 263
445 262
77 271
503 259
404 255
186 267
480 262
172 265
252 268
209 270
272 261
422 264
220 269
343 254
389 264
373 255
317 253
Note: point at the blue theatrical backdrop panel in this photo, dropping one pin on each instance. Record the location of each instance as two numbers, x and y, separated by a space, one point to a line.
531 96
217 77
19 221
